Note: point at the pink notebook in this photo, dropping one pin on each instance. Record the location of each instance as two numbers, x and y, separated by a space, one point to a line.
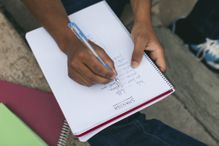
39 110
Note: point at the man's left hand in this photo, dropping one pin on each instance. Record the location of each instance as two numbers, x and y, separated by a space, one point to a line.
145 40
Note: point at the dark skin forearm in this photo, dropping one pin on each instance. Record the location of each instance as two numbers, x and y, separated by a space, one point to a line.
142 11
143 35
51 14
83 67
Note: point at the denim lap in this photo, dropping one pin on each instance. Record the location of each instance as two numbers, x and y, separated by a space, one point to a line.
128 132
136 131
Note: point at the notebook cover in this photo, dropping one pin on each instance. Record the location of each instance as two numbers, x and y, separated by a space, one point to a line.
39 110
15 132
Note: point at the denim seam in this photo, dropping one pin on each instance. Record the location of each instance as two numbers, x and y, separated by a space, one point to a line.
138 124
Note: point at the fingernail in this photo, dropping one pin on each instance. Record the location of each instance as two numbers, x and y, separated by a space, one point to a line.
110 76
113 77
134 64
114 72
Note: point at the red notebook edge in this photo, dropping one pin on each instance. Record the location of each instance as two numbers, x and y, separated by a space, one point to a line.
125 113
38 109
63 126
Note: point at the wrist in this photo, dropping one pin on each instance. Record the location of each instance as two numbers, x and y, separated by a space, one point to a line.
142 29
65 39
144 23
142 12
143 26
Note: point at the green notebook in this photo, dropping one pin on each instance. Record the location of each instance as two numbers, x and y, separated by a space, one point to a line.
13 132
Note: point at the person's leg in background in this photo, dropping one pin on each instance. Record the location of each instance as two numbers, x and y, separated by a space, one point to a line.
205 18
202 22
200 30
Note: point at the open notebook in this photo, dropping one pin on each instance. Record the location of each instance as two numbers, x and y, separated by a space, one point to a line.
91 109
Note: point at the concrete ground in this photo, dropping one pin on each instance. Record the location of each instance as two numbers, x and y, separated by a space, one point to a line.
17 64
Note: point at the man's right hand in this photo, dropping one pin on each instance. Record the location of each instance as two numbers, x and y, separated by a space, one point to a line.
83 66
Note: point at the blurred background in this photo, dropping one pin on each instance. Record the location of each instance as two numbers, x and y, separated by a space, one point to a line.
193 109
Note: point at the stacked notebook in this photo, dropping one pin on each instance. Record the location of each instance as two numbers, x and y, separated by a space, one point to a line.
38 110
89 110
14 132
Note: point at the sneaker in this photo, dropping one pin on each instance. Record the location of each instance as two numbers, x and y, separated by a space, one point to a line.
208 52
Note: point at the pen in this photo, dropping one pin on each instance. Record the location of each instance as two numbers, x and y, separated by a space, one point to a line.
80 35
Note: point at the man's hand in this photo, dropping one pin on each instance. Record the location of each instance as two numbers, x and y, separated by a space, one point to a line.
145 40
83 66
143 35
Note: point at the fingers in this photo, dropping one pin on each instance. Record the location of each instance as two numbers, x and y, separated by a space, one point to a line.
145 39
97 67
78 78
158 56
92 77
106 59
87 70
155 49
140 44
84 76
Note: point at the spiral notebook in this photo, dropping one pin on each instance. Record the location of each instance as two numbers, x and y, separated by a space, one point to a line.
37 109
89 110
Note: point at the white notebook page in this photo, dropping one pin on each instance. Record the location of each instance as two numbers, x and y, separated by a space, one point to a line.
87 107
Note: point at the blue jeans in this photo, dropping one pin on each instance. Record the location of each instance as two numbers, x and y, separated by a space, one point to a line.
134 130
204 18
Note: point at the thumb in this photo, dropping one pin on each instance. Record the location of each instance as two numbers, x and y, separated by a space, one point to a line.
138 53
